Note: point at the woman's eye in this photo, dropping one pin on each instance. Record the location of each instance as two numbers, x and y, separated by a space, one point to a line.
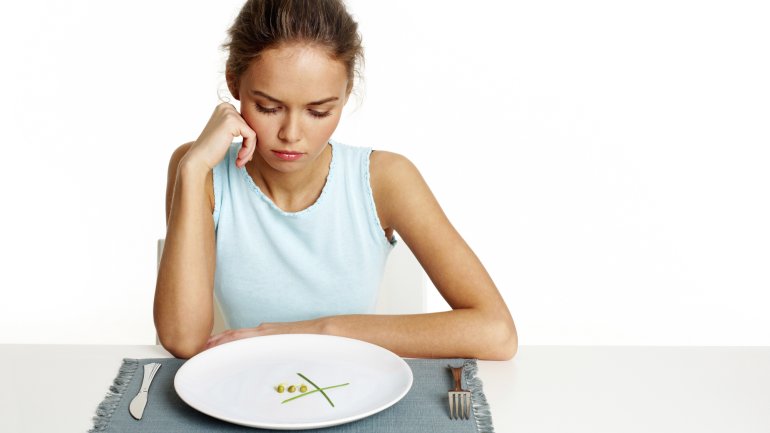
262 109
317 114
313 113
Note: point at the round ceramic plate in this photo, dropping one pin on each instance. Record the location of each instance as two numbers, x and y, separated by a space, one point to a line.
236 382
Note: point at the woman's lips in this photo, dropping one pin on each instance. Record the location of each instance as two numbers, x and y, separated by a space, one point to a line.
288 155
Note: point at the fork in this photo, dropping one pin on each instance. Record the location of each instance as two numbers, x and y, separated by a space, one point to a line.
459 399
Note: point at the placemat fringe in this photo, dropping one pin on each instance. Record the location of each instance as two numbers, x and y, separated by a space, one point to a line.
480 406
109 405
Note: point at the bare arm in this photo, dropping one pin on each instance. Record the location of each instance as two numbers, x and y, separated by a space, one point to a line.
479 324
183 309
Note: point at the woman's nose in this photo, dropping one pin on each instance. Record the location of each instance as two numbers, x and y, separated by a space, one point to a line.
290 130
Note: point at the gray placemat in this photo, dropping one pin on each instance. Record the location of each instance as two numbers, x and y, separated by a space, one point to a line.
424 409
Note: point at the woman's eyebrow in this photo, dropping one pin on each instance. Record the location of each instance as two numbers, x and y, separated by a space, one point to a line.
265 95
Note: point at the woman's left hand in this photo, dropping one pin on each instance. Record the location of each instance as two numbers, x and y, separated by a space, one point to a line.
303 327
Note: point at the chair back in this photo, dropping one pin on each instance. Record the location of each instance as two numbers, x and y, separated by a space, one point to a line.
402 290
404 283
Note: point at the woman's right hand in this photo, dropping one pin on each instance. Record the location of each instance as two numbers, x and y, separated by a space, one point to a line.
211 146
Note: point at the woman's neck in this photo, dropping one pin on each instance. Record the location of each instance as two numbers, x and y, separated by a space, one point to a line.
293 191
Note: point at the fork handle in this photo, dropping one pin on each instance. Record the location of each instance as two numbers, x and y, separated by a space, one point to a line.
457 373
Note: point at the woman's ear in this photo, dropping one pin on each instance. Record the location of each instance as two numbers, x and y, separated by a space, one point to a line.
232 84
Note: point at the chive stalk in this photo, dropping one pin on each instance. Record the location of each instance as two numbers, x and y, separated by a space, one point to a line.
317 387
315 390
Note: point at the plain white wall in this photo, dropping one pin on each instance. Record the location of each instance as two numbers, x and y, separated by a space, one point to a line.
607 161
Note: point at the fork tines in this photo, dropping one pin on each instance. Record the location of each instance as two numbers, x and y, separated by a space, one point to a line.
459 404
459 399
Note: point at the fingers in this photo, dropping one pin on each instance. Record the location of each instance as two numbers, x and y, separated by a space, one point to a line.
231 335
242 157
249 141
218 338
215 340
249 145
225 337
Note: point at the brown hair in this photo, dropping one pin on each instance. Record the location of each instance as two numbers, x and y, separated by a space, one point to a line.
265 24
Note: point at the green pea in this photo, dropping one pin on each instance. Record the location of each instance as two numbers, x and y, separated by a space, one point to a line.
303 388
292 388
280 388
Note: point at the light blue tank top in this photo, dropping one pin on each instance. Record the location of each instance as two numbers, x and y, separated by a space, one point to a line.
277 266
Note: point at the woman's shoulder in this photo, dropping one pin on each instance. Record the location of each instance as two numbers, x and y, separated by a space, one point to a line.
384 166
391 174
389 167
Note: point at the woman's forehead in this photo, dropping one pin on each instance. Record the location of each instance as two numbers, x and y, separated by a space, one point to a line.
292 71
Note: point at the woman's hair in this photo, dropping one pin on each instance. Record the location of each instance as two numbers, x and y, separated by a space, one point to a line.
265 24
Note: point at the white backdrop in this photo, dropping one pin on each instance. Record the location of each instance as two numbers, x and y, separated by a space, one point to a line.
607 161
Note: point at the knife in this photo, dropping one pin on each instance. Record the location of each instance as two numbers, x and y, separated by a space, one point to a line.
136 408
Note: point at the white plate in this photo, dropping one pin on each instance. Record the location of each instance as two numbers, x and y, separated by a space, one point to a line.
236 381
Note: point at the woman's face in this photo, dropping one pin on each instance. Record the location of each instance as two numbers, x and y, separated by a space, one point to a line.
292 97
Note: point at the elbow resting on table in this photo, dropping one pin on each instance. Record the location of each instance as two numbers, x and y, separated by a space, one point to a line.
509 345
183 350
503 342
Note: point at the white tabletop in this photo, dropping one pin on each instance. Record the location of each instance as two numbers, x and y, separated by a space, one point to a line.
543 389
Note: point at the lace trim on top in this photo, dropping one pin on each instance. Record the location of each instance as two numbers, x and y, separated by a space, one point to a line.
379 232
308 209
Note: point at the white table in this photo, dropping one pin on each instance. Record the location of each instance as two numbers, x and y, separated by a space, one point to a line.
56 388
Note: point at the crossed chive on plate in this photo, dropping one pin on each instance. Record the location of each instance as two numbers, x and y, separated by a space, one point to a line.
317 389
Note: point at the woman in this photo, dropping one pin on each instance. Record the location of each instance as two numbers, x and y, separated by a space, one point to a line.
300 225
